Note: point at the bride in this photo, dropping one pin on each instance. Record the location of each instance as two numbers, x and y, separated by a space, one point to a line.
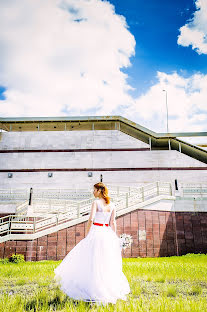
92 270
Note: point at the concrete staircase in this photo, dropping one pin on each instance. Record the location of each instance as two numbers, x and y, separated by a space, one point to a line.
49 216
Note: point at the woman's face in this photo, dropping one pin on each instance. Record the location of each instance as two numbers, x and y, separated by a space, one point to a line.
96 192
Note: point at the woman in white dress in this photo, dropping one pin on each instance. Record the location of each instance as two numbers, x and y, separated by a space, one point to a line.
92 270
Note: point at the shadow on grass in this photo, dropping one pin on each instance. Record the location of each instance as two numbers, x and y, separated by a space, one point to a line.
55 303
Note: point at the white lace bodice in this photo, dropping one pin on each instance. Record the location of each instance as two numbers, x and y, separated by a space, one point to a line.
102 216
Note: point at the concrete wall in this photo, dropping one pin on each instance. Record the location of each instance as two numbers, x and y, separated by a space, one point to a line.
155 233
190 204
68 139
142 166
109 159
81 179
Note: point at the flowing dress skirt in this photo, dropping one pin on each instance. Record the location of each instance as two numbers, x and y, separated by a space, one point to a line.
92 270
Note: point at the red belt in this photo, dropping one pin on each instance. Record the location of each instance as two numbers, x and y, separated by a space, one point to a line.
100 224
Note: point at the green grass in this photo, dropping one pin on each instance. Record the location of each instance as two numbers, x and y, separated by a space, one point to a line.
166 284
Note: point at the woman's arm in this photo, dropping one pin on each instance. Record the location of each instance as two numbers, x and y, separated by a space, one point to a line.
91 217
112 222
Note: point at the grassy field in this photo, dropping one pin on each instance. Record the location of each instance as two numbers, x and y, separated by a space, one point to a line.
157 284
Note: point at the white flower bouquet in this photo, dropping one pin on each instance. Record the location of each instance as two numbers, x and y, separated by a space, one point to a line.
125 241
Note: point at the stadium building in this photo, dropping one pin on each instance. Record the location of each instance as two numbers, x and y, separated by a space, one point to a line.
48 166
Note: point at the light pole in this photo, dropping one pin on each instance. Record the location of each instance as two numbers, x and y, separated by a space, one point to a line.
166 109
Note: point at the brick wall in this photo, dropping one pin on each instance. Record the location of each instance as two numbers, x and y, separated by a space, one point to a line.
167 234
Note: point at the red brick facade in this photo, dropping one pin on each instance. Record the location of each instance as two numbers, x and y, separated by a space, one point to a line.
167 234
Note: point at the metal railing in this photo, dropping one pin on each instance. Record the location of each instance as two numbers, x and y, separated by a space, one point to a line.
118 194
23 194
195 190
22 208
20 224
144 193
14 194
60 206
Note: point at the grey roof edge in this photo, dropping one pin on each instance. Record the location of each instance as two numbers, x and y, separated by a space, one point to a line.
102 118
164 138
79 118
191 145
183 134
57 118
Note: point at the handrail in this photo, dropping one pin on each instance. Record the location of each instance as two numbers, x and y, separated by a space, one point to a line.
54 201
196 190
20 224
22 208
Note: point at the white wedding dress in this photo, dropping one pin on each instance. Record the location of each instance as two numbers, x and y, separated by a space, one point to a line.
92 270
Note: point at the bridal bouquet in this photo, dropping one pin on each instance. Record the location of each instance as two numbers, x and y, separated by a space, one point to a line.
125 240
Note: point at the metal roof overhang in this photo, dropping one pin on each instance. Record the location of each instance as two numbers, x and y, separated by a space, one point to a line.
157 141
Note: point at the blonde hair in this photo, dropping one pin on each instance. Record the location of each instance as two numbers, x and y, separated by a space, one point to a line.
104 191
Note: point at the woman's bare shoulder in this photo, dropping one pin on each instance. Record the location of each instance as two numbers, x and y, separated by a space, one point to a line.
94 202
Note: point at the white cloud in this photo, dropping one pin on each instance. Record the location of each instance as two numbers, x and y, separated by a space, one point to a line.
63 55
186 99
65 58
194 33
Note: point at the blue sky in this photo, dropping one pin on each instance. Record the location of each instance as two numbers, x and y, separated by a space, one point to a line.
155 25
94 57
